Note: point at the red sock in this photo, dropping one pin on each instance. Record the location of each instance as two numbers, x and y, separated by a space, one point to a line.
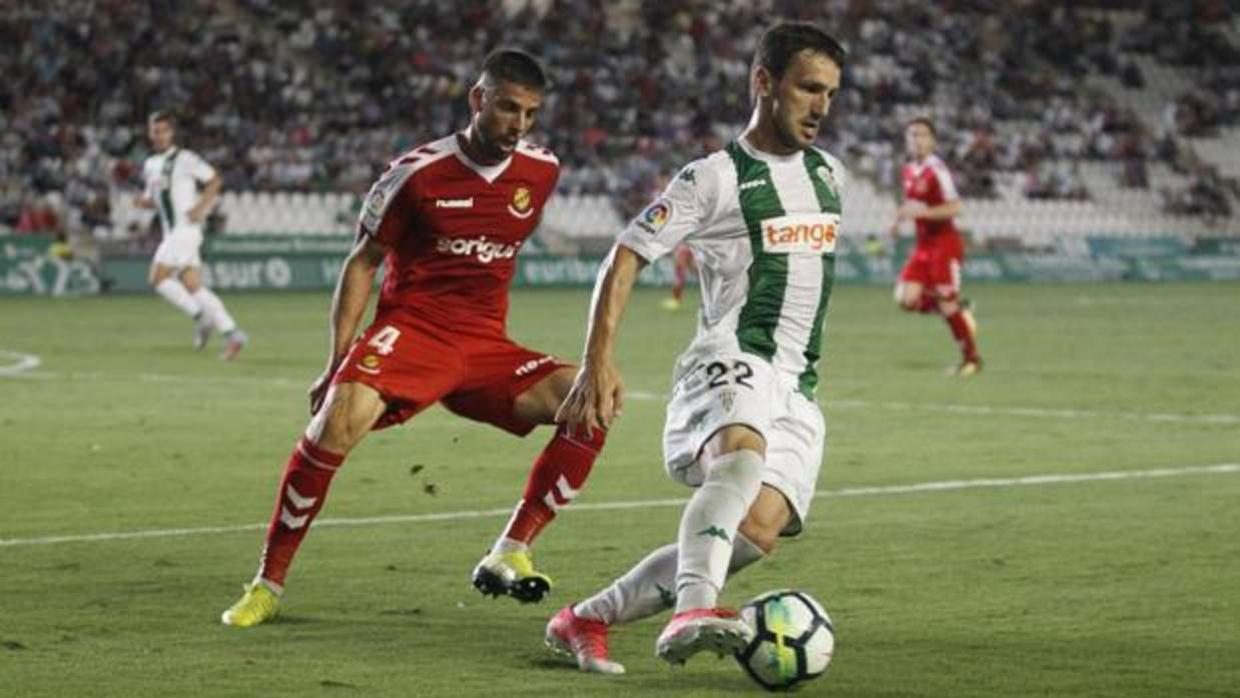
558 474
302 490
962 333
678 286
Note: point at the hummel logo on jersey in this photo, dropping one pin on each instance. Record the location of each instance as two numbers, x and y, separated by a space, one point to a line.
485 250
752 184
713 531
455 203
529 366
800 233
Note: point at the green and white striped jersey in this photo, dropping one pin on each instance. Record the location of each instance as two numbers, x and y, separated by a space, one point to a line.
172 178
763 229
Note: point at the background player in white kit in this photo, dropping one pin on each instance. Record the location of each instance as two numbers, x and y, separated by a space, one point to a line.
172 177
761 217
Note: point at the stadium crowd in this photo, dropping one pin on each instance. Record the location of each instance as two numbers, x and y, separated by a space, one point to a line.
314 97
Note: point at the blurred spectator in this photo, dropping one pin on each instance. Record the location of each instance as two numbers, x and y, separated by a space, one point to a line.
284 97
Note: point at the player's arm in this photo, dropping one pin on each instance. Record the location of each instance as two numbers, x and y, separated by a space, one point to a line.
948 209
901 204
210 194
686 207
348 306
596 397
147 198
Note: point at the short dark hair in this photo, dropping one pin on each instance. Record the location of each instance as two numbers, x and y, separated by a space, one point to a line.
162 115
515 65
924 121
784 40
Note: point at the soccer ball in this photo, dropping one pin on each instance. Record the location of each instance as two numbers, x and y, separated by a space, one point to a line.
793 639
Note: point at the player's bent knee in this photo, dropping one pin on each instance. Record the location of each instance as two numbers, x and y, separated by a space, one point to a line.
764 534
348 413
733 438
906 297
538 404
769 515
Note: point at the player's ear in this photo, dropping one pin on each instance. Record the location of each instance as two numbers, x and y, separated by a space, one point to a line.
476 94
761 84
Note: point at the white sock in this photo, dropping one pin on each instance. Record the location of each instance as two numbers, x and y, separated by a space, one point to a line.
214 308
175 293
277 589
504 545
647 588
708 527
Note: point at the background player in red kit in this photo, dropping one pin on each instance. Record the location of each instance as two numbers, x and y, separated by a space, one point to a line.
684 266
930 280
446 219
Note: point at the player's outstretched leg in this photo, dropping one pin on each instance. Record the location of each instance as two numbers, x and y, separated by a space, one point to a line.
708 528
645 590
349 412
302 492
558 475
584 639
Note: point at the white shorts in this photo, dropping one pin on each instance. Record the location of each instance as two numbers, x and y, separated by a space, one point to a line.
180 248
717 390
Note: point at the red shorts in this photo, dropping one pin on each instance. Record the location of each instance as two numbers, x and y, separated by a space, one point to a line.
936 267
414 364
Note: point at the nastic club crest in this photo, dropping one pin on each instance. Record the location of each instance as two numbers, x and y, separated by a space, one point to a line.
522 203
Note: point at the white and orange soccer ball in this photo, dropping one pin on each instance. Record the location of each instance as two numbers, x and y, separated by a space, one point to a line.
793 639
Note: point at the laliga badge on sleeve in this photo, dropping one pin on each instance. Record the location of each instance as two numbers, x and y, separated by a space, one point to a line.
655 216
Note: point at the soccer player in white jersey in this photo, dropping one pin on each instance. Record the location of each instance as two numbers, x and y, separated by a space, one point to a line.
743 427
172 179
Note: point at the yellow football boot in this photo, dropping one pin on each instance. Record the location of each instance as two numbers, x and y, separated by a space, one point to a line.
513 574
259 604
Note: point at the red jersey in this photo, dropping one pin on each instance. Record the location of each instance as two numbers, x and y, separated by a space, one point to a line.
453 228
931 183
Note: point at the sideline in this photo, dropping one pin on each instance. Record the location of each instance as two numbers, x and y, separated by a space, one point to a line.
916 488
21 363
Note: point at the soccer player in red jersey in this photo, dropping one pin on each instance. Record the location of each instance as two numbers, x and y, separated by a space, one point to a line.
684 266
446 220
930 280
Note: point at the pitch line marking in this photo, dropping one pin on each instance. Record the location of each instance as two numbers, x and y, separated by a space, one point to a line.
1038 412
21 363
648 396
915 488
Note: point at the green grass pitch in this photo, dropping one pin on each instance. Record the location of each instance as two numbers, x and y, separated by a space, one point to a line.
1118 586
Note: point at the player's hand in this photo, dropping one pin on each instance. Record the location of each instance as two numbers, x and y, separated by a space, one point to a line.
595 400
197 215
318 389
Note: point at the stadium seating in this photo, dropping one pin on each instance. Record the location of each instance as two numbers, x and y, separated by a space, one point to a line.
298 133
